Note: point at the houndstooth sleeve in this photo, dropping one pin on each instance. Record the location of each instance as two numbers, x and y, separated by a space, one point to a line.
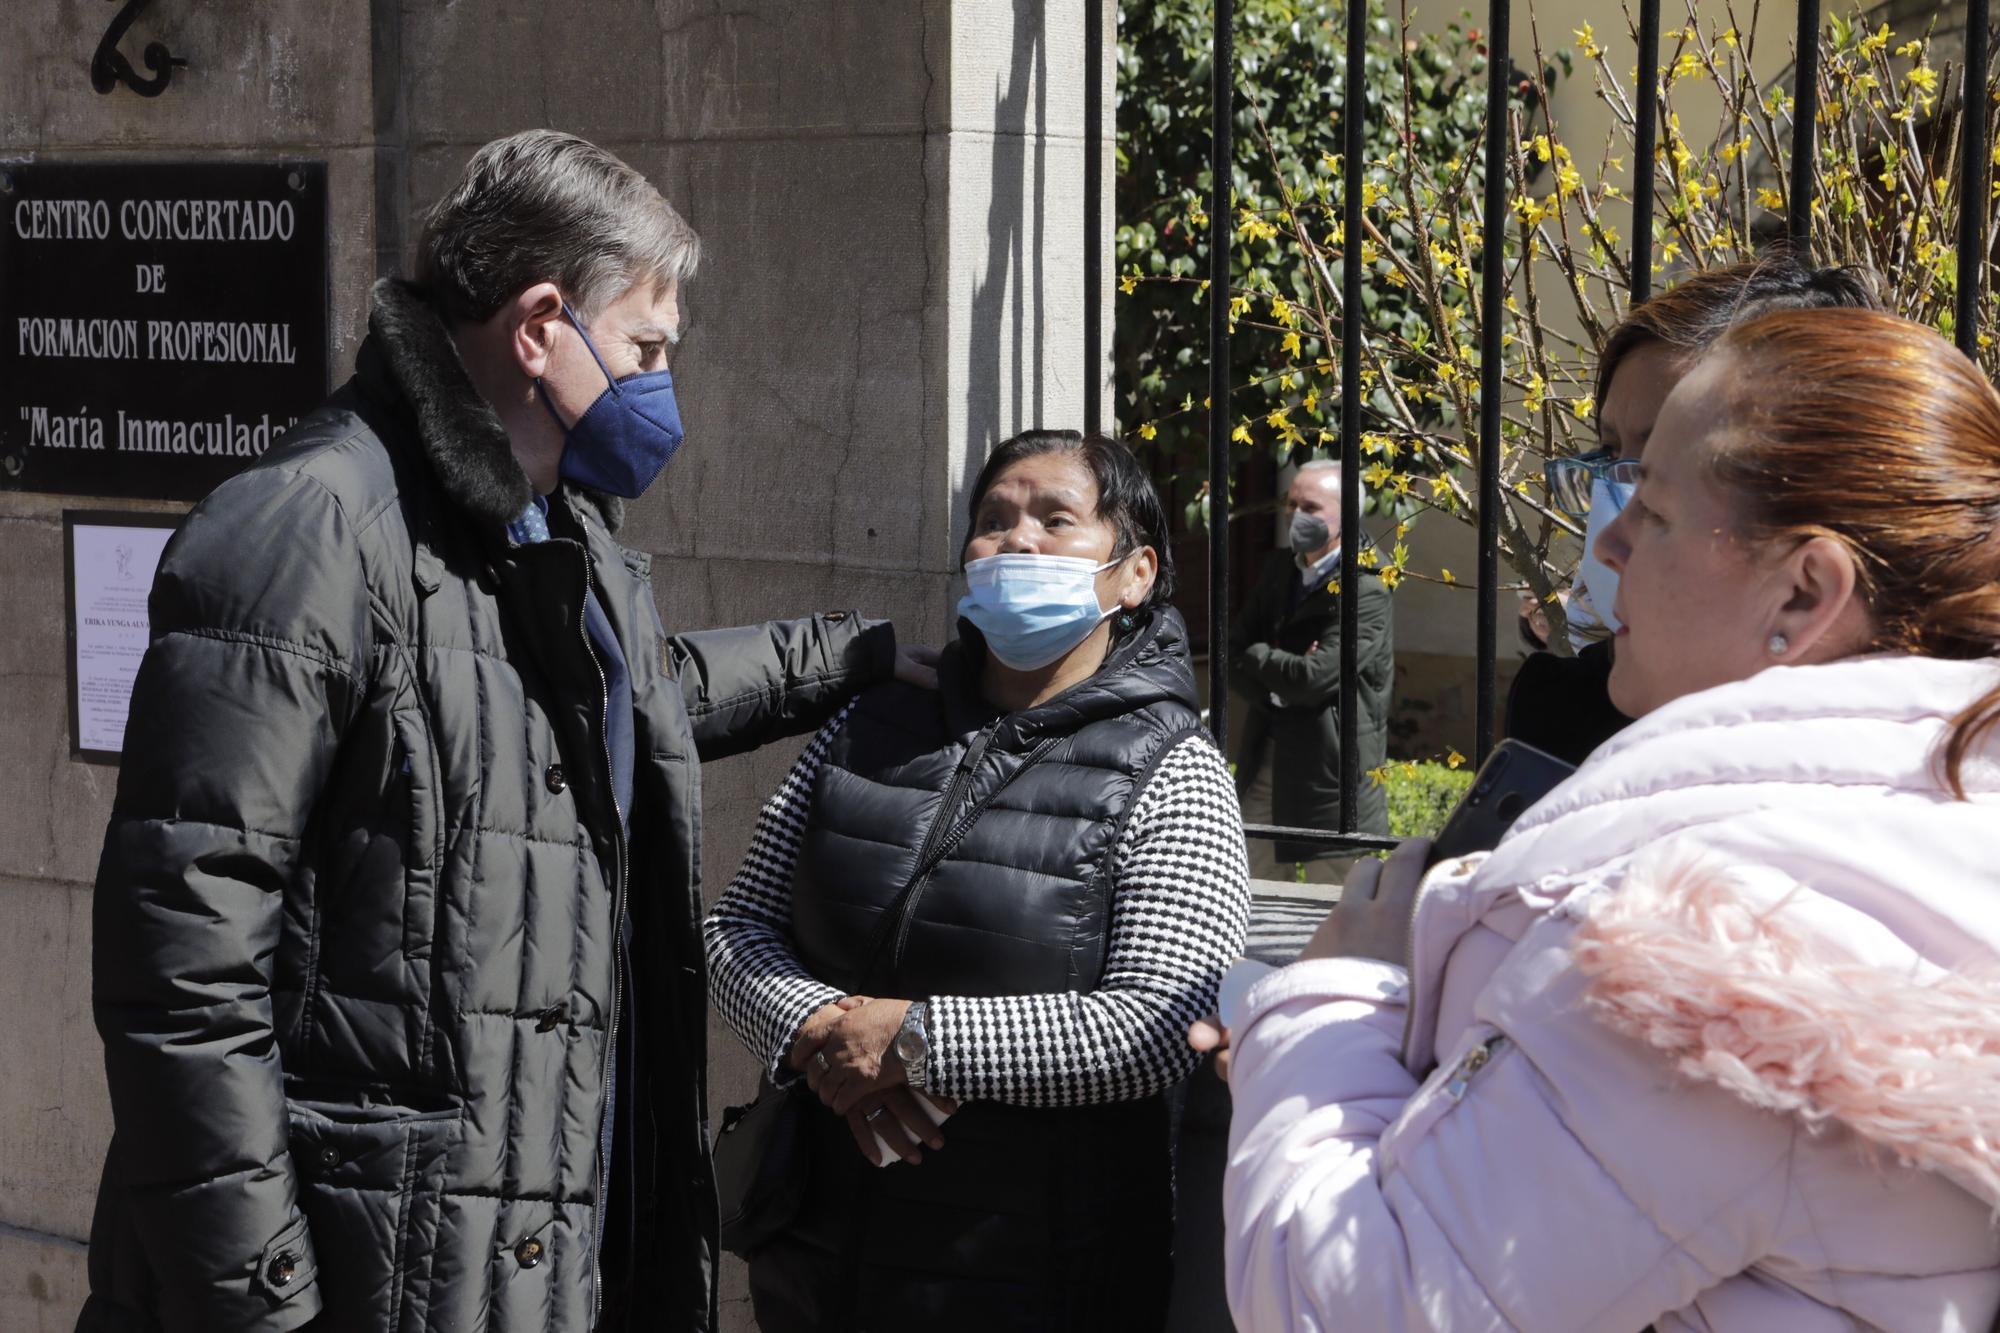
755 979
1179 913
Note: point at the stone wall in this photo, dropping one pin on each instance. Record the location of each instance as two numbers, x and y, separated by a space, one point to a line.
889 193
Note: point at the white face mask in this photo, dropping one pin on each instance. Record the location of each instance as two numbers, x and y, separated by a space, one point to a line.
1597 584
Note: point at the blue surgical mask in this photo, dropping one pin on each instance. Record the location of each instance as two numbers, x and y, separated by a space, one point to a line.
1607 499
626 436
1032 608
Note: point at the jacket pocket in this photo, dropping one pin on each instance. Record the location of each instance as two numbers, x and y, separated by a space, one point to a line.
371 1185
419 796
1448 1085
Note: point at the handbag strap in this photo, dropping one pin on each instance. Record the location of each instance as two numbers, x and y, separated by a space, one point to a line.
885 929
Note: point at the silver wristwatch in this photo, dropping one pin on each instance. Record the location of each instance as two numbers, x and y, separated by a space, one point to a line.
913 1045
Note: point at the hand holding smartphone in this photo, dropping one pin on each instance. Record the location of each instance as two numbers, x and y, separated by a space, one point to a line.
1514 777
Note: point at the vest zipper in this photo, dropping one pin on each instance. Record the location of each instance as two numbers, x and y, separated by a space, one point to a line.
617 947
967 766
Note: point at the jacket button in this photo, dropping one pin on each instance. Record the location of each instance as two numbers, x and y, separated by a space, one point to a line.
327 1156
283 1269
528 1253
553 778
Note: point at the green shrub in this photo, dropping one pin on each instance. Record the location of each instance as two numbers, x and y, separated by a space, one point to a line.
1421 795
1424 96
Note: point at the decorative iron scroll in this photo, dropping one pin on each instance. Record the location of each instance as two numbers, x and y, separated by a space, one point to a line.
109 67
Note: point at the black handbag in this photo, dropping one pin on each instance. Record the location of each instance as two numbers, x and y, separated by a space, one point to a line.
762 1163
763 1152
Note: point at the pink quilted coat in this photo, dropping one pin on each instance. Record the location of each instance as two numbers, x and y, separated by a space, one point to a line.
1711 1042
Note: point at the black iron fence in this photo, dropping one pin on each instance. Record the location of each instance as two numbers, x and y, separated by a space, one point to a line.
1972 256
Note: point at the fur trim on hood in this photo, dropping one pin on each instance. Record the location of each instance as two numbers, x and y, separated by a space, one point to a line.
462 437
1744 993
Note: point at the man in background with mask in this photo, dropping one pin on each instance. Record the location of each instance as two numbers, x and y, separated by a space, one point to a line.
1285 662
397 952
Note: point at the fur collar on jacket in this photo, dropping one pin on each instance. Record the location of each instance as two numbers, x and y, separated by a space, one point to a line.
1778 892
1760 998
462 437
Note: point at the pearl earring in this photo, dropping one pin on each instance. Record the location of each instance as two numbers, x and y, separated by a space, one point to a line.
1779 643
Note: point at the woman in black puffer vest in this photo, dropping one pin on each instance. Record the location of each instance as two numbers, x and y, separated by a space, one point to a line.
1043 863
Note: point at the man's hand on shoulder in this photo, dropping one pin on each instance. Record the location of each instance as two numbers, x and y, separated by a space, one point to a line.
916 664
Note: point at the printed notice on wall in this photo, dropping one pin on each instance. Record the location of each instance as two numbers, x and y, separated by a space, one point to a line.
161 323
110 560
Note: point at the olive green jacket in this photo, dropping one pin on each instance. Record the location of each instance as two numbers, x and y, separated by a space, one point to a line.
1285 662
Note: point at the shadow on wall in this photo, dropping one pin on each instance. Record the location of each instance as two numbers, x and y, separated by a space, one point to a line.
1006 336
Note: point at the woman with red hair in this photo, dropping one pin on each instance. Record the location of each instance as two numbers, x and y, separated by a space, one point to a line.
1710 1041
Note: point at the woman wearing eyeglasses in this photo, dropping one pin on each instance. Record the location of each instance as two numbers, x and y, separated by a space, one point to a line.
1563 704
1707 1042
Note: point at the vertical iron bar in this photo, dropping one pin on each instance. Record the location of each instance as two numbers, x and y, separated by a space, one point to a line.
1805 126
1647 132
1220 228
1492 320
1972 149
1354 169
1093 216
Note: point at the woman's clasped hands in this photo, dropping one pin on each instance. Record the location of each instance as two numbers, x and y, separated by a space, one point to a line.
843 1049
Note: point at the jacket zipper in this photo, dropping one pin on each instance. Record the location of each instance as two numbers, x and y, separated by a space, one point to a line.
1410 975
1435 1100
1475 1060
617 946
947 808
1410 967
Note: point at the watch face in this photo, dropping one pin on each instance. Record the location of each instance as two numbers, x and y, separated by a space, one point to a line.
910 1046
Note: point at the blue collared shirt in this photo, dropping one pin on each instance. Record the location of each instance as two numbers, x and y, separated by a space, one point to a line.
527 530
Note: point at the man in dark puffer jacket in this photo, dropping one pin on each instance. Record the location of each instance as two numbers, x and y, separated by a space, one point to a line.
397 954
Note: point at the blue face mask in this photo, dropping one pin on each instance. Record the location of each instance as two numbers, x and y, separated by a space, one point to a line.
1607 499
626 436
1032 608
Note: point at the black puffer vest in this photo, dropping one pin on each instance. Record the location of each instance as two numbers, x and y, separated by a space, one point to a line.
1044 1218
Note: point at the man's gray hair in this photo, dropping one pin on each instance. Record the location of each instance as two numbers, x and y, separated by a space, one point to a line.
542 206
1333 466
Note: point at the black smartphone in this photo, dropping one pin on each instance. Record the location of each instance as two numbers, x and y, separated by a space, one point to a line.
1514 777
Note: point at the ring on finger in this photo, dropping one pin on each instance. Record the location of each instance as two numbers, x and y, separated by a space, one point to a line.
870 1117
819 1058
